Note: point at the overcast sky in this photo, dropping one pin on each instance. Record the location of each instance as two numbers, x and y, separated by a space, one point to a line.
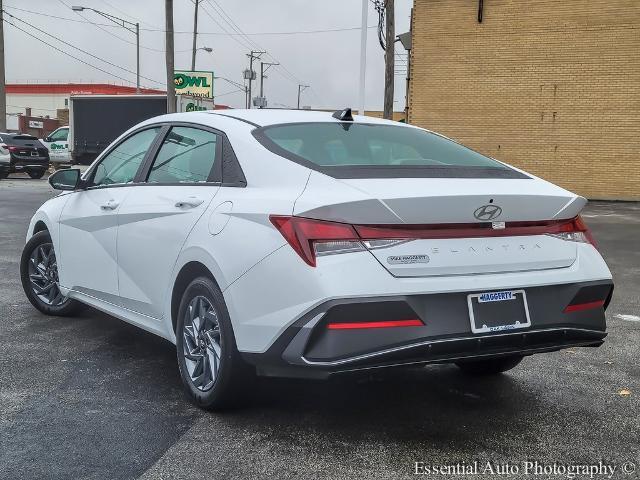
328 61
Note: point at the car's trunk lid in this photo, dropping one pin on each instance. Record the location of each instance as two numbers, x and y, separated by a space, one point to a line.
449 202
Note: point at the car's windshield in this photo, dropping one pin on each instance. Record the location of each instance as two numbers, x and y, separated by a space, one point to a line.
370 145
59 135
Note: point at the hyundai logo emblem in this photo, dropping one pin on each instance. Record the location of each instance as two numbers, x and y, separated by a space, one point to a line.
487 212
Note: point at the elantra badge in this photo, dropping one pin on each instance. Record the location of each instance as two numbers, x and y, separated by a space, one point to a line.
407 259
487 212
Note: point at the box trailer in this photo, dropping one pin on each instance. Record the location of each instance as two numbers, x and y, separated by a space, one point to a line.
96 120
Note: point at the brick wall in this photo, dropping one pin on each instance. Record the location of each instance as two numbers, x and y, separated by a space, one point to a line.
550 86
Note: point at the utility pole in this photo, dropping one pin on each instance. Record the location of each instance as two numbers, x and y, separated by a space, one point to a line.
137 58
389 59
171 86
301 88
3 92
195 34
363 55
254 55
262 77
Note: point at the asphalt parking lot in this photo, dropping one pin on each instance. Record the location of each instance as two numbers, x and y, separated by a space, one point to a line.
92 397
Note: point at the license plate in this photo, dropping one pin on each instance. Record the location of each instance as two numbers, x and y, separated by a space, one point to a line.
498 311
34 154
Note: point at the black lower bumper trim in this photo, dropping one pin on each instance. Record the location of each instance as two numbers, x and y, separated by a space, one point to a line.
437 351
450 349
309 349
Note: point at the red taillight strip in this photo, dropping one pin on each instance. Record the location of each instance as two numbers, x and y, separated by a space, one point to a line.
469 230
584 306
301 233
384 324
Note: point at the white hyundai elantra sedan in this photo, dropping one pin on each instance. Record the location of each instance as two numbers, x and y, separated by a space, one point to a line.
306 244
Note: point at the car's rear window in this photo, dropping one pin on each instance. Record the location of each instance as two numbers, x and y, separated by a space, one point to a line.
19 140
360 150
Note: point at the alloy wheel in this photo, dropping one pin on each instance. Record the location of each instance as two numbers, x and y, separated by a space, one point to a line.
43 275
202 346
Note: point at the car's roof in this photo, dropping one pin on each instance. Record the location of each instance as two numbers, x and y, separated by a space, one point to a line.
264 117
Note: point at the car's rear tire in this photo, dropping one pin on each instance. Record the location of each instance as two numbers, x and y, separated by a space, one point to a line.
35 174
3 175
489 366
213 373
39 276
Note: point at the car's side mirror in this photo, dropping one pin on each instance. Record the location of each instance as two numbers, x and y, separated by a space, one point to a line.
67 179
47 139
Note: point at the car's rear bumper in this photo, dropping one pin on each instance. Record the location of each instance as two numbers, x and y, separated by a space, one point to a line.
19 164
308 348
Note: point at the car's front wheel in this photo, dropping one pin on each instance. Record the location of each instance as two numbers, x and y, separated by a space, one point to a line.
210 366
489 366
39 276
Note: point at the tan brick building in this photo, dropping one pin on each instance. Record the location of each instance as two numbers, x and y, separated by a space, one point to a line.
552 86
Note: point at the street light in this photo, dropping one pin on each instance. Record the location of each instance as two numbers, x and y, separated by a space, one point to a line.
127 25
206 49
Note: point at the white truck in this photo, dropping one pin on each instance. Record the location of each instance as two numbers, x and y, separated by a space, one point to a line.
57 142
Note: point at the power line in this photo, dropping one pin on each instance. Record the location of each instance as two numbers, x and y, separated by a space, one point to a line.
108 32
229 93
110 5
32 108
68 54
380 7
237 38
80 49
187 32
244 45
282 70
216 6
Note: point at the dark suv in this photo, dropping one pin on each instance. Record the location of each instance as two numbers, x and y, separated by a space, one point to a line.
26 154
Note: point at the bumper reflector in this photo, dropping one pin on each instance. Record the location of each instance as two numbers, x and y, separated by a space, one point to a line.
584 306
384 324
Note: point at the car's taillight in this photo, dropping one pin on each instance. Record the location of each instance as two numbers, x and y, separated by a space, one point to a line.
12 148
574 230
311 238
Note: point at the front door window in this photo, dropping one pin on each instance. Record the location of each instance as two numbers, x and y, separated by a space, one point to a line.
121 164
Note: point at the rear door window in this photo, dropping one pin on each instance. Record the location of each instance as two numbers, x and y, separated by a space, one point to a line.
187 155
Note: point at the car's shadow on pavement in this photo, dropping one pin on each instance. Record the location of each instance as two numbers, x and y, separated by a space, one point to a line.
135 362
118 398
437 400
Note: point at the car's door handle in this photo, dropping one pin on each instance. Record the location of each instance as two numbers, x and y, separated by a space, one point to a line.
189 202
110 205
